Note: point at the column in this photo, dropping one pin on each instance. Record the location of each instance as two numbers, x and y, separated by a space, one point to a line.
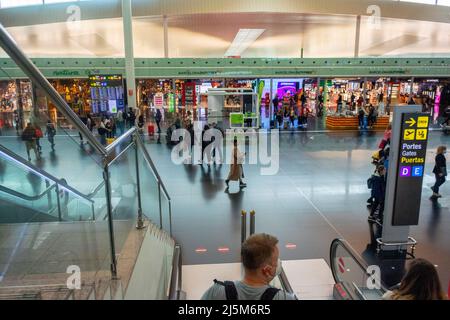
357 35
129 53
166 36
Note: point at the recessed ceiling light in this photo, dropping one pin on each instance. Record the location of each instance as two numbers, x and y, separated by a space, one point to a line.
243 39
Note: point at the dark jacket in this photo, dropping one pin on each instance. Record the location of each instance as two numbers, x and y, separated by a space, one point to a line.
29 134
440 165
378 187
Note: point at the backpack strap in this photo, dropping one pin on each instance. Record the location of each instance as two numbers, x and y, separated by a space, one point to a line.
269 294
230 289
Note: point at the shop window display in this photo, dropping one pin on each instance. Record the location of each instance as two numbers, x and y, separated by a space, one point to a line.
15 98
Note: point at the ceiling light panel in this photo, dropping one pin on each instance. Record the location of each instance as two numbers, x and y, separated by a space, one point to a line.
243 39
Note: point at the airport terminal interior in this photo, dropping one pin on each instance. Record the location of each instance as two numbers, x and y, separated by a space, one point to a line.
148 148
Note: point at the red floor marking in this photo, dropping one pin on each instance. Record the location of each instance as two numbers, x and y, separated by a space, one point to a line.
223 249
341 265
201 250
291 246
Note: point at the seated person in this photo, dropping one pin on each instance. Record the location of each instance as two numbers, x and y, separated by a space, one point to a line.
260 258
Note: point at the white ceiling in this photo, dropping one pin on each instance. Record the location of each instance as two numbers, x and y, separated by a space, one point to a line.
210 35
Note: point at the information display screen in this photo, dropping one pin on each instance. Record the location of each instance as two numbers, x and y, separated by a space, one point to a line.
107 93
411 164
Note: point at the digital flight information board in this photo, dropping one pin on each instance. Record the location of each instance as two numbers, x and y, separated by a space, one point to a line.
411 164
107 93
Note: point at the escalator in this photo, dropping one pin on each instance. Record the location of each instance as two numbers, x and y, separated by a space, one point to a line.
29 194
355 279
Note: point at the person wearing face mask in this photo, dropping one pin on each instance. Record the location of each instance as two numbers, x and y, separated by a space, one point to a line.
439 170
260 259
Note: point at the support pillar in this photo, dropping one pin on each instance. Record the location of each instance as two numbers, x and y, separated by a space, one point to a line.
129 53
357 35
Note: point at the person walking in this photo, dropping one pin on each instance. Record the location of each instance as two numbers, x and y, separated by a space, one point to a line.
236 172
50 132
102 131
120 122
280 119
292 117
275 103
29 136
378 194
17 121
158 118
439 170
361 114
131 118
39 135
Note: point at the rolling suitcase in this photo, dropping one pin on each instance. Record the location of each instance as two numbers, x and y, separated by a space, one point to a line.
151 130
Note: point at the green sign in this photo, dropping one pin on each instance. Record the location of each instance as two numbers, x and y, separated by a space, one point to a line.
171 102
236 119
66 73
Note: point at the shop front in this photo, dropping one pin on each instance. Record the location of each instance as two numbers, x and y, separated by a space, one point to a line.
16 103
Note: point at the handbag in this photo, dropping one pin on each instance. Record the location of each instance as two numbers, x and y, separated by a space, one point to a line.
39 133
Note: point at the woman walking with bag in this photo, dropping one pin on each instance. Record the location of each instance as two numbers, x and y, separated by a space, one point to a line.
439 170
236 172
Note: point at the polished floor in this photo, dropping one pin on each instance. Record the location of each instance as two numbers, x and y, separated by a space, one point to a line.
318 194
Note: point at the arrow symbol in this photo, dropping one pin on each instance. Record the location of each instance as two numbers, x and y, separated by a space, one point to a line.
411 122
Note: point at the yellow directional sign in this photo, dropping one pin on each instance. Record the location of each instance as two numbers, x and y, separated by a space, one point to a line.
421 134
409 134
422 122
411 122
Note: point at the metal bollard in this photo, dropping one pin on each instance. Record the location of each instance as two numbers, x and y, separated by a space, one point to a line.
252 222
243 226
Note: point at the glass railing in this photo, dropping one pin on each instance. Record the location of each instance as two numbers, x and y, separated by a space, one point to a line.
95 194
37 196
355 280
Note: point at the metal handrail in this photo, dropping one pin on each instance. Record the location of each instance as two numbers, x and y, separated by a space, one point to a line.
26 65
24 196
151 164
285 282
355 256
340 242
123 137
94 192
176 278
42 173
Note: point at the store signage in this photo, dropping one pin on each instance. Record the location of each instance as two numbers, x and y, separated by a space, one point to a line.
158 100
398 71
66 73
411 164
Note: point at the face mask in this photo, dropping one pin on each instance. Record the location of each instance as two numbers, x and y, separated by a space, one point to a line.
279 268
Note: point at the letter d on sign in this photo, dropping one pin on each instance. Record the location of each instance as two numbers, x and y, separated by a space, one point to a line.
74 280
